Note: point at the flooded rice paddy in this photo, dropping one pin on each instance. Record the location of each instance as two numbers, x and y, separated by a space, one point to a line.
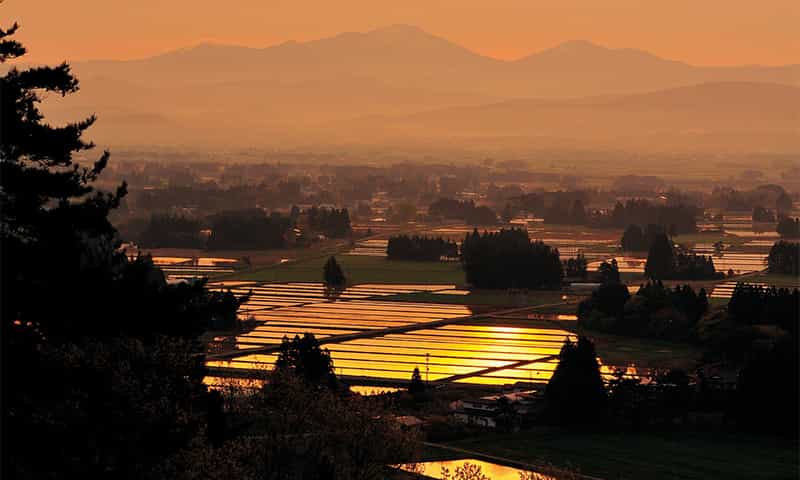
745 252
374 341
179 268
385 340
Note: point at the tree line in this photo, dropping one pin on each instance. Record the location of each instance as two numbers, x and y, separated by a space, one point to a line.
665 261
509 259
249 229
675 219
331 222
420 248
465 210
655 311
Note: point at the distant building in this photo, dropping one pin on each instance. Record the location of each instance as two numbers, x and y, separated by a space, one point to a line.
485 411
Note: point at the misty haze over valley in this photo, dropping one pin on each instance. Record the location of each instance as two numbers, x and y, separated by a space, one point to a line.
400 85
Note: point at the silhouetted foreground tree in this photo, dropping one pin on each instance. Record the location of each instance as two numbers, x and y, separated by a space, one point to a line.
417 386
95 347
332 274
575 394
784 257
404 247
294 430
788 227
508 259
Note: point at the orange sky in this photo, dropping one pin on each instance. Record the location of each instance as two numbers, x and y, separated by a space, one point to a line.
704 32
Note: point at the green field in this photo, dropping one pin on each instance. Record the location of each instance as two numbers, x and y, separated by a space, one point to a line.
644 352
360 269
663 455
775 279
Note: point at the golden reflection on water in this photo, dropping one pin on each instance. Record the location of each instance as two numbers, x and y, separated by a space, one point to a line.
368 390
490 470
456 349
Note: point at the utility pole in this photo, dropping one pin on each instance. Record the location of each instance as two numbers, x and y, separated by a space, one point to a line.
427 368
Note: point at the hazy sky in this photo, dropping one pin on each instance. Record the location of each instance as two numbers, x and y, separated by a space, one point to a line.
707 32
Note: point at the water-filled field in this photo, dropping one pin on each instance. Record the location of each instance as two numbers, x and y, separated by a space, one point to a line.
178 268
386 340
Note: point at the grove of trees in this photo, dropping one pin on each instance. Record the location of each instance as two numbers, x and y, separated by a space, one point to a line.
171 231
249 229
636 239
462 210
784 257
666 262
655 311
331 222
418 248
509 259
675 219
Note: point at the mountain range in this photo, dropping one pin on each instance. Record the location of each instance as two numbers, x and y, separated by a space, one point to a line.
402 83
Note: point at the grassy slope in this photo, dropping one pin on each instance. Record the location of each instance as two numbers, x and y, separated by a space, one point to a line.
668 455
361 269
644 352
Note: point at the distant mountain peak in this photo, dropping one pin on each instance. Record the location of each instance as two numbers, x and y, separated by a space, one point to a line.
578 44
400 28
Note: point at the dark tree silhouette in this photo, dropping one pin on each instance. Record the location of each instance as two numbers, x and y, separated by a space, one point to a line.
660 258
332 274
761 214
95 346
333 223
788 227
784 257
404 247
678 219
508 259
633 239
417 386
462 210
575 394
248 230
171 231
305 358
575 267
609 271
